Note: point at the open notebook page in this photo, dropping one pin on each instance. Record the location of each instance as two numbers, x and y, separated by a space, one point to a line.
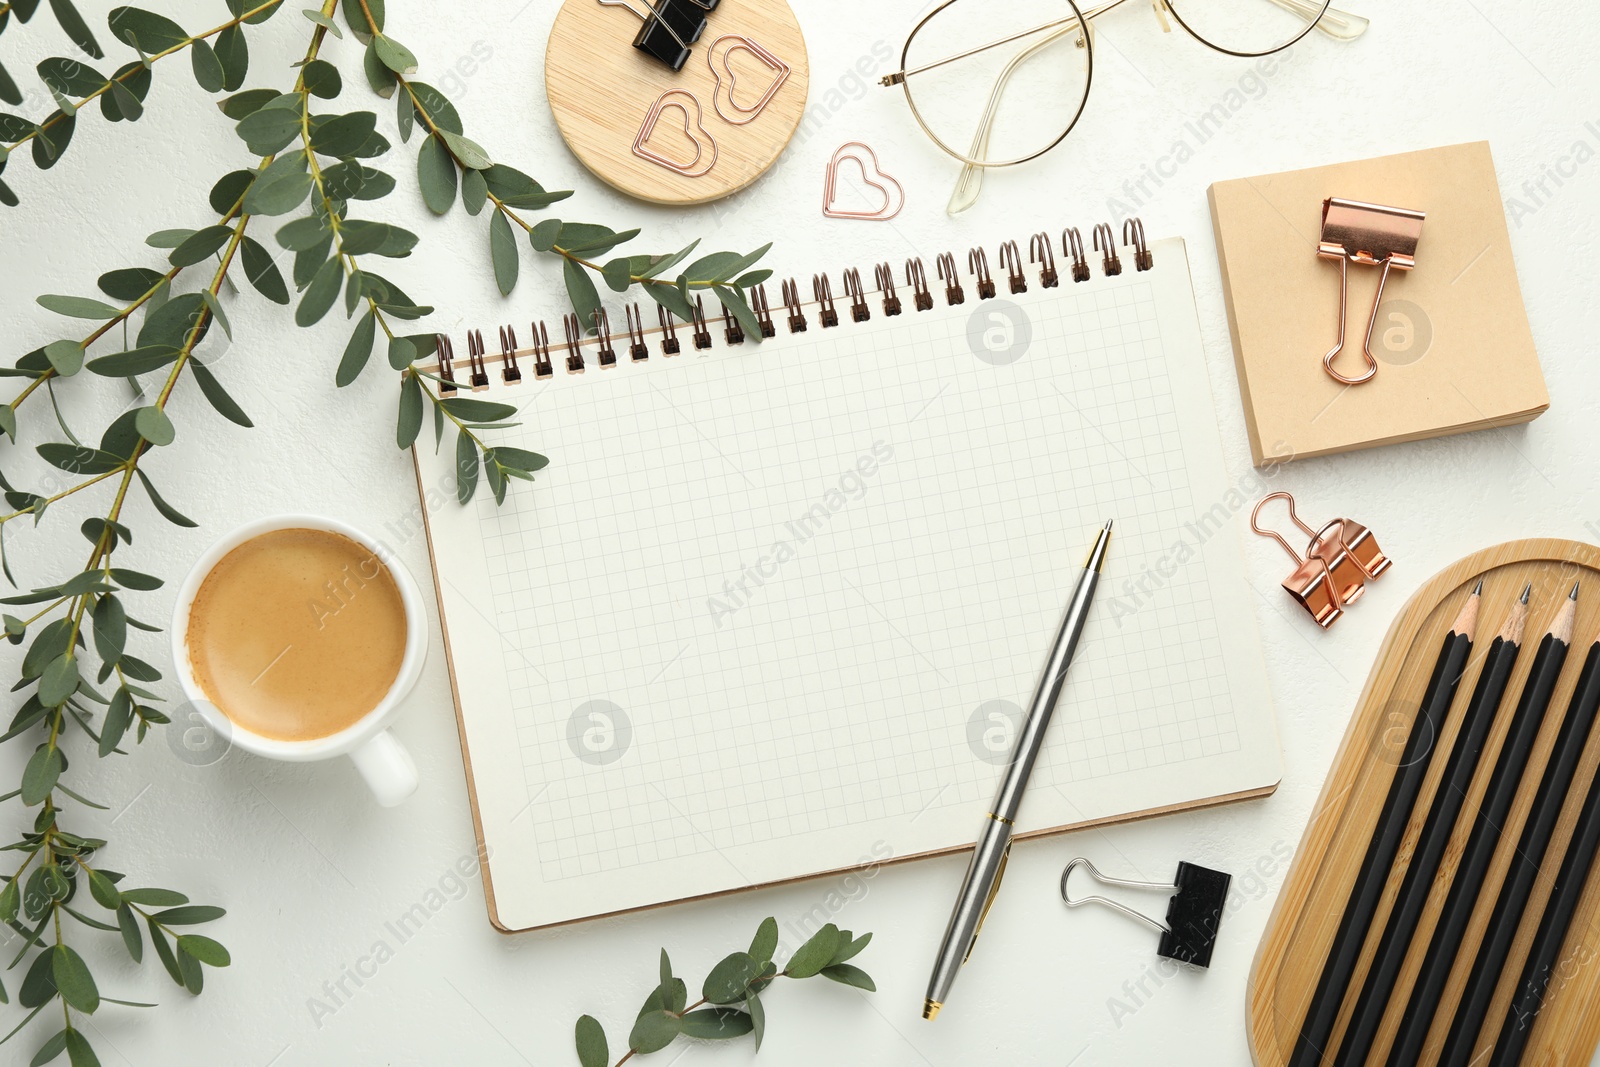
774 610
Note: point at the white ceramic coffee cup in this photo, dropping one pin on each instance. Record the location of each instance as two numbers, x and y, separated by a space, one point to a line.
381 759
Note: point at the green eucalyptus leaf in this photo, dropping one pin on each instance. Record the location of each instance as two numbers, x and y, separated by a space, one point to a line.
38 984
119 715
436 106
175 321
190 915
226 192
381 80
77 307
350 180
59 681
520 459
593 1051
154 425
730 978
216 395
132 939
411 401
543 234
166 510
765 943
145 30
168 238
848 949
110 628
716 1024
320 294
849 974
654 1031
76 459
436 173
321 78
324 21
70 77
467 152
269 129
815 954
53 1047
40 774
65 356
581 291
202 948
234 55
200 245
344 135
503 250
134 362
130 283
466 467
73 26
670 298
54 135
248 102
735 302
474 191
79 1052
394 55
357 351
208 72
304 233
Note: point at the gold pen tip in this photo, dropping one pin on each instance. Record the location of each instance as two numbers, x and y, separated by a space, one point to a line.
930 1009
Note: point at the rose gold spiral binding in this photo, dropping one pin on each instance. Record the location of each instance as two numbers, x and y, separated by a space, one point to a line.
731 328
574 332
478 371
822 289
446 352
638 351
859 312
978 264
1011 263
1041 252
509 371
1105 242
603 352
791 300
541 351
669 332
763 310
917 278
883 274
946 266
1072 242
1133 234
699 331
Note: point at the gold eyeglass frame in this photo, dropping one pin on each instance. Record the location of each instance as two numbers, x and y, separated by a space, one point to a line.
1340 25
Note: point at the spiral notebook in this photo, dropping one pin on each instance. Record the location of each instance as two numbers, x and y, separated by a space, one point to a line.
773 609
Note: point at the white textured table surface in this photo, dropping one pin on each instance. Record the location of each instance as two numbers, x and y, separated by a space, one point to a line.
313 873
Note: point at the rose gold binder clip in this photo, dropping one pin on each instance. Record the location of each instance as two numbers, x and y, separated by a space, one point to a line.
1340 559
1369 235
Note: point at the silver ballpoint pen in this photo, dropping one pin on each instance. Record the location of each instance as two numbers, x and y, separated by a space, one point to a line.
994 841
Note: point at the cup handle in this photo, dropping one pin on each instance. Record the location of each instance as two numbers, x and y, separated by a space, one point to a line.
387 768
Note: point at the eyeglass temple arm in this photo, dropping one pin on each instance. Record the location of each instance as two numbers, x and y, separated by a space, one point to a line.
970 183
1338 24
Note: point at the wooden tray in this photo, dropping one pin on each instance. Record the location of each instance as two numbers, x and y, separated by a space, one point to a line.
1306 915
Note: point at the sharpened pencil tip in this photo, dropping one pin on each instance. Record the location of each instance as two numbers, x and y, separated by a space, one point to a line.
1527 591
1574 594
1477 590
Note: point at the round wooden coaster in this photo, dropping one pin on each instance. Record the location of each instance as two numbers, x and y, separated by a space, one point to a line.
602 91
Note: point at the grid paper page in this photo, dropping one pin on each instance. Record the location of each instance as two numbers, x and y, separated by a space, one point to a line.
773 611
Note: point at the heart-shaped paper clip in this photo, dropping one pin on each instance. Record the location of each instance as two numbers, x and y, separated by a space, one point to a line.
682 100
894 194
1340 559
722 69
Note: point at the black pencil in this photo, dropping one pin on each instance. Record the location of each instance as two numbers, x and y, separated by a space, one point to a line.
1485 837
1401 926
1544 956
1323 1012
1524 872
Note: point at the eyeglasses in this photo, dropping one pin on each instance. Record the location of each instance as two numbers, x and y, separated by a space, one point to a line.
1042 51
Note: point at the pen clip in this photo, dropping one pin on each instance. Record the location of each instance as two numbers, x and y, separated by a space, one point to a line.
1000 872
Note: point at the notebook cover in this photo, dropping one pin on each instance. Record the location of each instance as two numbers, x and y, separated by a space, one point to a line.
1451 338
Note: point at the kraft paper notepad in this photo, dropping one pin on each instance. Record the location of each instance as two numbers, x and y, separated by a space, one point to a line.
1451 337
773 610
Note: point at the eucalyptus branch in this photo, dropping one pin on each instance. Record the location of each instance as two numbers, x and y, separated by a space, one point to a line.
129 84
740 978
446 149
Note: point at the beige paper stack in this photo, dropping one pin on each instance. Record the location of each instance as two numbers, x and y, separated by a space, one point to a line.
1451 338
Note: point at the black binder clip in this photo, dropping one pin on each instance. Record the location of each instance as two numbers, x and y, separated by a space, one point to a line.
1193 914
669 29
